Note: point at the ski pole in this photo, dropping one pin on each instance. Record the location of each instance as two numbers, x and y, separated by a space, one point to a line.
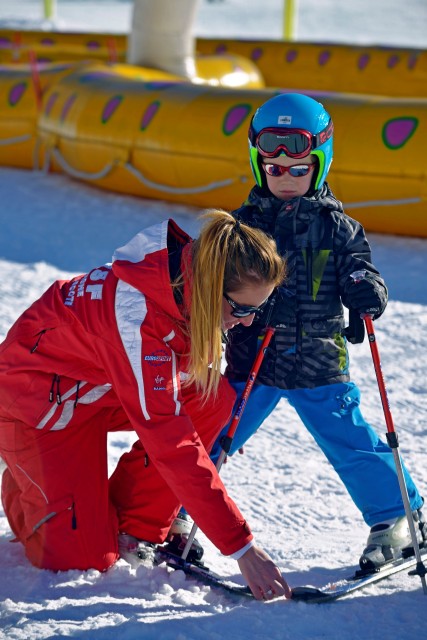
227 440
392 440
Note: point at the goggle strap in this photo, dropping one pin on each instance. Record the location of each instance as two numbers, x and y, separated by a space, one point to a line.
324 135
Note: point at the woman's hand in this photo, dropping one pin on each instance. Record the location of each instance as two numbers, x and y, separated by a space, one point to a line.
263 577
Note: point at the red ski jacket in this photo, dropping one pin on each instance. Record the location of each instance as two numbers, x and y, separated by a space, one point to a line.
118 330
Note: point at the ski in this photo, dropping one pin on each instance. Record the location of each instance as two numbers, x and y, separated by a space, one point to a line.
358 580
139 552
158 555
200 572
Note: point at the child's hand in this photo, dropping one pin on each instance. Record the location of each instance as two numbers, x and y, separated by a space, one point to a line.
366 296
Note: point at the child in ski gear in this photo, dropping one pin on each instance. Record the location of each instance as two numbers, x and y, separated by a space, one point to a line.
329 265
128 347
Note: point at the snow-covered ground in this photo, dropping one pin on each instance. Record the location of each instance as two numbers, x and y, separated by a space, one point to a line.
50 227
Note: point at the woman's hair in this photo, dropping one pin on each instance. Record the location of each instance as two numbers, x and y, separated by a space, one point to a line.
227 256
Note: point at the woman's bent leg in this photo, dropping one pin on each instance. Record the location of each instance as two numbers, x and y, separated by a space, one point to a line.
55 492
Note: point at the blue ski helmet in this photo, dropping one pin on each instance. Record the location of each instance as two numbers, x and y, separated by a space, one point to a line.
294 125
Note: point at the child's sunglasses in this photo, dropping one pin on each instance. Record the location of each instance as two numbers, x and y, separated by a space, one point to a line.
296 171
295 143
243 310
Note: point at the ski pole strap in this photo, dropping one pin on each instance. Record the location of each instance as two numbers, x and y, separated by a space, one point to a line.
355 332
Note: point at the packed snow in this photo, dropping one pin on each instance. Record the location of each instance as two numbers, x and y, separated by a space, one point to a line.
53 227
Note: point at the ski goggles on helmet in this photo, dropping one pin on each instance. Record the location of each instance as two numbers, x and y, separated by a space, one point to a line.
243 310
296 171
295 143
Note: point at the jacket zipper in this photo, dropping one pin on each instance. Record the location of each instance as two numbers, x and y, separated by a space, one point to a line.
55 380
309 255
39 337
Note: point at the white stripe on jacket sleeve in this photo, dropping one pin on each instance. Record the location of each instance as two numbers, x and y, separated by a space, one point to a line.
174 374
131 309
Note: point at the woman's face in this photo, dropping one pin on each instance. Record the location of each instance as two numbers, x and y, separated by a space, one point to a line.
252 295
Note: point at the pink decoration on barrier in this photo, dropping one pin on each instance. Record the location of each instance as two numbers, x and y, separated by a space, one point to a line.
291 55
257 53
324 57
393 61
49 105
93 44
363 61
412 60
47 41
110 108
16 93
67 106
149 114
396 132
235 117
221 48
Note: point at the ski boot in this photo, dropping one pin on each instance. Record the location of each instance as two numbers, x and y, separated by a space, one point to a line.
178 536
421 524
391 540
135 551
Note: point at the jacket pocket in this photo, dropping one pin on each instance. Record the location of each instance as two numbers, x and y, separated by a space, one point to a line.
37 518
322 327
323 348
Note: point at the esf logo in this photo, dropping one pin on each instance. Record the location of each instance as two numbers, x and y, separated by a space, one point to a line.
157 358
159 380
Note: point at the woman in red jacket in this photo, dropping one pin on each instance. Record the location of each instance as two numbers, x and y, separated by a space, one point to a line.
128 347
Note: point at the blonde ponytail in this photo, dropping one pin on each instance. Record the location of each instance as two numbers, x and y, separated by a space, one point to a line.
227 255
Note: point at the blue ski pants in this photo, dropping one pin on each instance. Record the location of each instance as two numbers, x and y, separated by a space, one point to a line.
331 414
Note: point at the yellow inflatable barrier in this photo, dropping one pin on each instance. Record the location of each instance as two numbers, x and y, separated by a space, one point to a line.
188 143
52 46
301 66
21 96
149 133
23 87
388 71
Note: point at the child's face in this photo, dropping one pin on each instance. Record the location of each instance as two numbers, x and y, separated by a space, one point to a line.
286 186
